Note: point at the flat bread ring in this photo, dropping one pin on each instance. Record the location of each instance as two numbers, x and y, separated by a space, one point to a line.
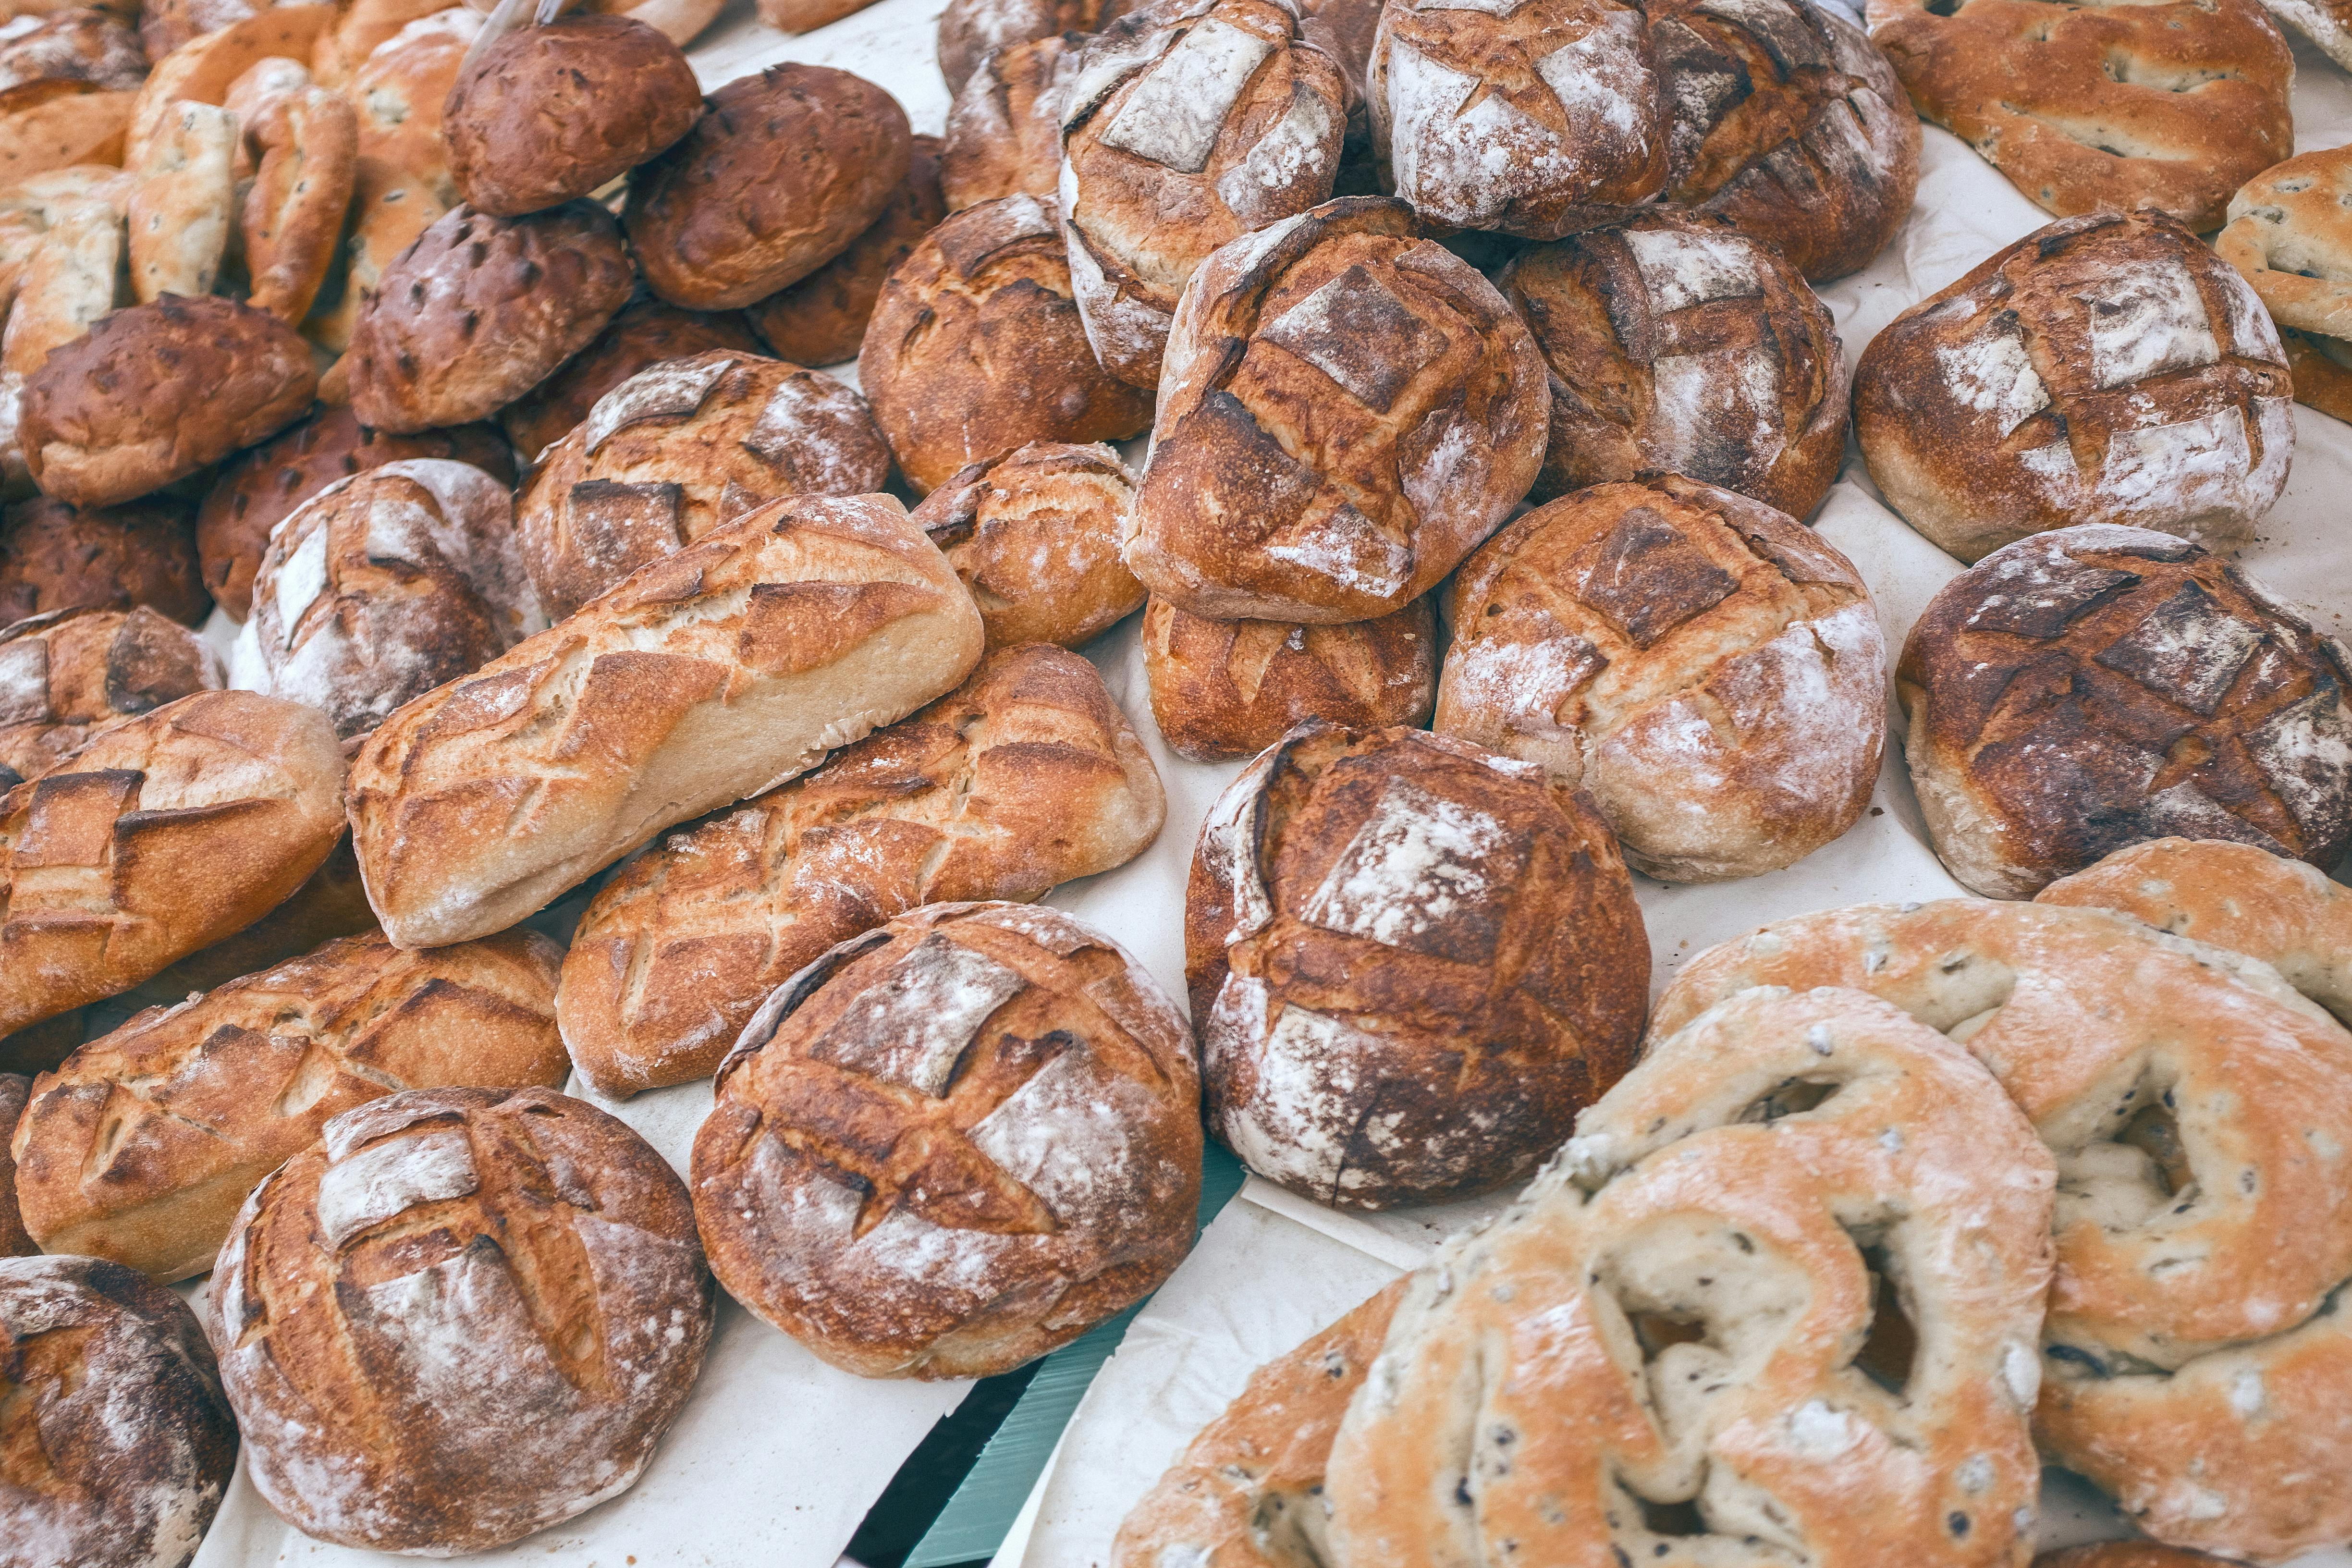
306 143
2200 1108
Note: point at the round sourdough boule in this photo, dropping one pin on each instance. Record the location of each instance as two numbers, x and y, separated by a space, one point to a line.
1412 963
972 30
782 170
126 1445
479 310
504 1359
1005 128
1348 410
822 319
1708 670
68 674
2107 369
153 393
549 113
646 333
677 449
2289 233
975 348
953 1143
15 1242
1224 689
1034 536
1186 125
260 487
75 43
56 557
1676 344
2093 688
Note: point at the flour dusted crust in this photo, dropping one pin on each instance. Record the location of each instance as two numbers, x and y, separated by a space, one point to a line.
675 450
1224 689
2085 689
383 587
2105 105
1412 964
127 1443
75 43
2107 369
706 676
647 332
1036 536
953 1144
1005 128
1348 410
2290 234
141 1146
972 30
2327 23
821 320
56 557
2198 1108
1711 673
68 674
1678 344
976 348
461 1316
1184 127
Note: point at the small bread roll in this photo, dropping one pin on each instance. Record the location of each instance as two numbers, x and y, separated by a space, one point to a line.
821 320
1227 689
972 30
67 675
1048 1082
55 557
679 448
485 1308
644 334
77 44
1005 128
1034 535
549 113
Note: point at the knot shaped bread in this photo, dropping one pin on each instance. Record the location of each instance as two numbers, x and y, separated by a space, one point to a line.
2200 1111
2290 232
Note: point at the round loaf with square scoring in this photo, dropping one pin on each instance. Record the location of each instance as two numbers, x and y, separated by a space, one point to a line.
2087 689
2107 369
58 557
679 448
647 332
461 1316
1185 127
68 674
1709 671
1677 344
952 1144
1412 963
2290 232
821 320
1222 689
1036 537
1348 410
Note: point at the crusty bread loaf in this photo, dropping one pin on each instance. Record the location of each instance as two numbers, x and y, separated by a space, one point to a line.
141 1146
2290 232
1679 345
821 320
970 30
1004 128
75 42
383 587
333 903
58 557
483 1308
706 677
2107 369
678 449
953 1143
1026 776
1221 689
1036 536
67 675
1412 964
649 332
123 1445
15 1242
160 838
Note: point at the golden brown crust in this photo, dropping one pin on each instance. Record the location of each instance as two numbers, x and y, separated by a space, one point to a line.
185 202
2321 380
976 349
153 393
78 43
1005 128
203 69
1034 535
331 904
782 170
479 310
708 677
677 449
645 334
1456 928
60 124
2290 234
463 1315
160 838
2087 689
58 557
13 1241
2107 369
293 219
1678 344
806 16
142 1145
1349 410
1025 777
2105 106
1224 689
822 319
970 30
68 674
549 113
995 1085
361 27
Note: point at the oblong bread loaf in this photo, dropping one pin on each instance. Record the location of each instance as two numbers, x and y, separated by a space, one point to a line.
706 677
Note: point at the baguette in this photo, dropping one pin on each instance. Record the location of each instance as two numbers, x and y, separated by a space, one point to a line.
141 1147
706 677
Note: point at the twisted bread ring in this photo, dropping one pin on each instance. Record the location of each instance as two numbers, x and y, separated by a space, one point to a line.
2200 1109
